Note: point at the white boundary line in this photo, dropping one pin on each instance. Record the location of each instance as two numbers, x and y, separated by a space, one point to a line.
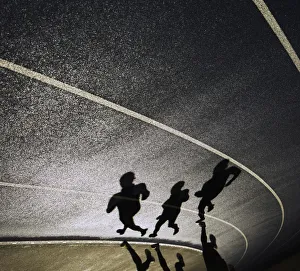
264 10
28 186
82 242
79 92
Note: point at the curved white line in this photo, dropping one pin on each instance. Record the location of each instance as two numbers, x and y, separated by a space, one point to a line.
237 229
79 92
29 186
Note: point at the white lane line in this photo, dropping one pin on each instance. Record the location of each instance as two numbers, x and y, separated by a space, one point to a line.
288 240
91 242
229 224
28 186
63 86
264 10
48 188
237 229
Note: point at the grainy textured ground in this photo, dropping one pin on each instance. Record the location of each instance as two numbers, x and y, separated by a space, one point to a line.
89 257
212 70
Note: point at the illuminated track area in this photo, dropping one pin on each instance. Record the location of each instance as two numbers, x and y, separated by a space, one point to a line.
86 95
167 89
145 202
89 255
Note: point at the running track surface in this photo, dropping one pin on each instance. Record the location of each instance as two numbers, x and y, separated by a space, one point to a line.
216 73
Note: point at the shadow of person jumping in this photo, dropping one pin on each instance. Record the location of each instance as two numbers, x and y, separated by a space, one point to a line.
171 208
178 265
140 266
128 202
213 187
212 259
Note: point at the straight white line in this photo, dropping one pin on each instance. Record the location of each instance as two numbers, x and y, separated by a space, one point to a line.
286 242
91 242
293 236
263 8
28 186
48 188
60 85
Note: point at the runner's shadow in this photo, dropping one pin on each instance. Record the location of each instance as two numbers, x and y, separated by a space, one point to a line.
128 202
213 187
171 208
178 265
212 259
140 266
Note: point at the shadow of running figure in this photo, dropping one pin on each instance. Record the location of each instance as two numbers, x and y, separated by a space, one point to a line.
140 266
178 266
171 208
128 202
215 185
212 259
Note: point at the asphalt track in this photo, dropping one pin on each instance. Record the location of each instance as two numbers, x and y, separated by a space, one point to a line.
89 255
62 154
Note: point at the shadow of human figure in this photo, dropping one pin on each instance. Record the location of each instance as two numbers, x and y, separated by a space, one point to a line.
140 266
212 259
171 208
178 265
128 202
215 185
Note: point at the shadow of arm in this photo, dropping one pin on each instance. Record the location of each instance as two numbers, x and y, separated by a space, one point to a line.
144 191
235 172
112 204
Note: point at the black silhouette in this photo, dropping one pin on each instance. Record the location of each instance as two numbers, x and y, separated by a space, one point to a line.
178 266
140 266
215 185
212 259
171 208
128 202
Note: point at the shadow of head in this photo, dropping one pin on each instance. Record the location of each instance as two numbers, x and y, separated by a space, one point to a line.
213 240
221 166
127 179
